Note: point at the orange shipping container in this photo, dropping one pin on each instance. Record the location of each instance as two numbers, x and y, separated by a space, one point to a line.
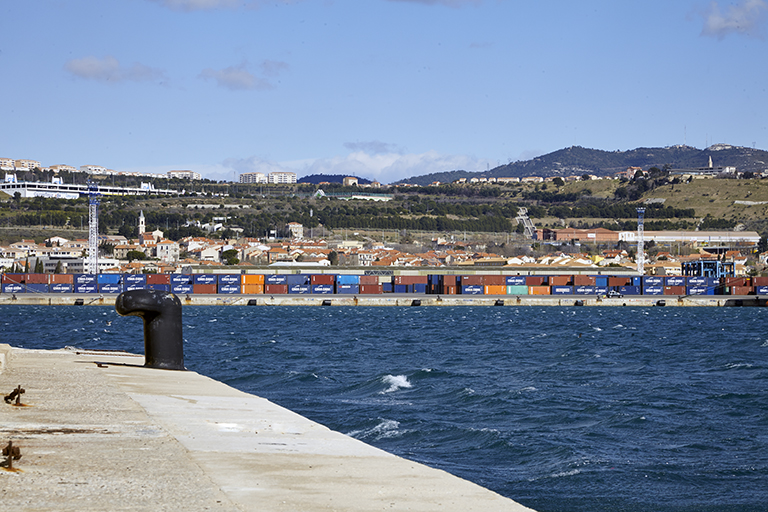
538 290
449 290
579 280
471 281
253 289
252 279
62 279
619 281
560 280
37 278
674 290
496 290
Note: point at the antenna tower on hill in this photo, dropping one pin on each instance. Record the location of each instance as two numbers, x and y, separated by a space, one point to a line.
93 228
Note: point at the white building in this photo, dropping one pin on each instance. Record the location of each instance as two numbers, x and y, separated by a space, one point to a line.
185 175
296 229
253 177
282 177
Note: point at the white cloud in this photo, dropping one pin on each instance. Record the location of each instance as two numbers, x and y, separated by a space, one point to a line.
108 69
745 18
385 167
236 78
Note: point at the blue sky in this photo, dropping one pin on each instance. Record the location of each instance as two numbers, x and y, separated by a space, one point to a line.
382 89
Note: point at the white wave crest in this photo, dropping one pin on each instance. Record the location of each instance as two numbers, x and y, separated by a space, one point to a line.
385 429
395 382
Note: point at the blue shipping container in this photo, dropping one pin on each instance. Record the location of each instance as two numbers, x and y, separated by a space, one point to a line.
472 290
630 290
601 290
700 290
601 281
322 289
343 279
61 288
298 288
348 288
158 287
134 286
276 279
637 281
401 288
584 290
205 279
515 280
419 288
561 290
85 279
297 279
653 281
182 288
13 288
229 279
701 281
675 281
110 288
37 288
109 278
386 287
229 289
653 290
86 288
761 290
177 279
134 279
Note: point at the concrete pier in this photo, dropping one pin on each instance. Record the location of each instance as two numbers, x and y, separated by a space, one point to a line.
98 431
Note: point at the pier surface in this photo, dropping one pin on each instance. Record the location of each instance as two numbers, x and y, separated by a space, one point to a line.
98 431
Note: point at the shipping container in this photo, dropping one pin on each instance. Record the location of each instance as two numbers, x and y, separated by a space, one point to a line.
177 279
62 279
204 289
401 288
133 286
760 281
61 288
601 281
411 280
515 281
110 288
253 289
158 287
536 281
560 280
761 290
419 288
229 289
472 289
347 288
450 290
205 279
630 290
674 290
298 288
134 279
736 281
231 279
601 290
13 288
372 289
323 279
183 288
653 290
637 281
86 288
700 290
347 280
37 288
494 281
584 290
582 280
14 279
276 279
538 290
322 289
368 280
470 281
276 289
153 279
736 290
297 280
109 278
517 289
675 281
496 289
252 279
387 287
619 281
37 278
561 290
653 280
85 279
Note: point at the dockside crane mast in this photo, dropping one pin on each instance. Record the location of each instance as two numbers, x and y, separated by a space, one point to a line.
640 242
529 228
93 228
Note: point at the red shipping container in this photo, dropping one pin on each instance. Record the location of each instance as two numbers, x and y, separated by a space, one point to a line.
37 278
275 289
674 290
14 278
535 281
369 289
560 280
581 280
619 281
316 279
760 281
158 278
736 281
62 279
742 290
369 279
471 281
495 280
204 289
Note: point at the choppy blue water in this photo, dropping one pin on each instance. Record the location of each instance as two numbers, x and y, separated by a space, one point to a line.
561 409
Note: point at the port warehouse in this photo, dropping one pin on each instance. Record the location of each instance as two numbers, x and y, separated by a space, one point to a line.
363 284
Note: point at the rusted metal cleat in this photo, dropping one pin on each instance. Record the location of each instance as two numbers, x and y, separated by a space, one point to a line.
13 453
15 394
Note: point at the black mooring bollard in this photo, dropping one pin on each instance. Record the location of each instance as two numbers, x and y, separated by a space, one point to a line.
161 311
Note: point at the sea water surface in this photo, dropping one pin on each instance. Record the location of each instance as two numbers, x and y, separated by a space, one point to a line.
559 408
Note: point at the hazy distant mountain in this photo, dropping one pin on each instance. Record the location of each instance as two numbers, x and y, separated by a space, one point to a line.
331 178
577 161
